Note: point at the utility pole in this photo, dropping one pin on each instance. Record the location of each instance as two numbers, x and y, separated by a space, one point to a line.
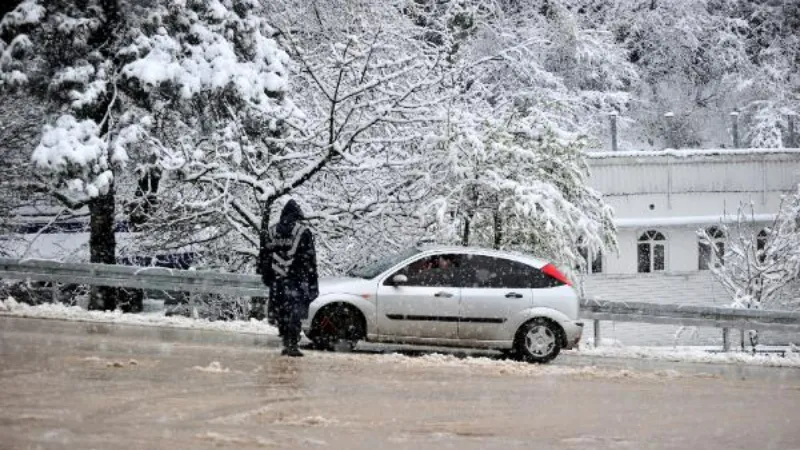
613 118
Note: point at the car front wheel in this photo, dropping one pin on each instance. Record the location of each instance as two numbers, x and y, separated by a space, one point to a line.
338 326
538 341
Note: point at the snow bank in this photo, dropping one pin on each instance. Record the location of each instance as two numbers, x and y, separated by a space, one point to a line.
11 307
213 367
693 355
611 349
223 440
491 366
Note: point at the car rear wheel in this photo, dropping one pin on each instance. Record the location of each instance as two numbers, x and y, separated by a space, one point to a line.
538 341
337 327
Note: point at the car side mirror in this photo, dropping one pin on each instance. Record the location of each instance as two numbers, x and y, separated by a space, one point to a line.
399 279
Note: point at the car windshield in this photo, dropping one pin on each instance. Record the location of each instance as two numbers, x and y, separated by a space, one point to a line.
377 267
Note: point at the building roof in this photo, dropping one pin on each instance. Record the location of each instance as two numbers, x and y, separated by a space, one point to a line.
642 222
688 153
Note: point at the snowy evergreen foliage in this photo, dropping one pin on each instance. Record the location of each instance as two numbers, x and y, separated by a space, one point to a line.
703 59
55 53
142 83
755 266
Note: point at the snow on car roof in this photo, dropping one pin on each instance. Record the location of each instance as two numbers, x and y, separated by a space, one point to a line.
509 254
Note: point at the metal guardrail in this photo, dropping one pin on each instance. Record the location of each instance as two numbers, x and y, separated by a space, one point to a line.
157 278
690 315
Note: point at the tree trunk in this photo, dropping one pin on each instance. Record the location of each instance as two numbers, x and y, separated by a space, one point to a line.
102 247
498 230
146 198
465 235
258 305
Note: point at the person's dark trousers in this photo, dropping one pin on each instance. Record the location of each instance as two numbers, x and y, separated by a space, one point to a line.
289 328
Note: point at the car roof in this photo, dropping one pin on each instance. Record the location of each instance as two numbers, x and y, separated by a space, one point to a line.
516 256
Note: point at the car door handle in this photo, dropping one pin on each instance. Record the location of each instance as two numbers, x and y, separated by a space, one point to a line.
443 294
513 295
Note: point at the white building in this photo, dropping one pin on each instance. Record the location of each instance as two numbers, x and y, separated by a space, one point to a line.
661 199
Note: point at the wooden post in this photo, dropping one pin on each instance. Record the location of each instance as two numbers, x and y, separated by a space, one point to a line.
613 118
735 128
792 133
596 333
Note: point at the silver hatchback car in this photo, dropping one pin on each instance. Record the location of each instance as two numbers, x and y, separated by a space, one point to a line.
451 296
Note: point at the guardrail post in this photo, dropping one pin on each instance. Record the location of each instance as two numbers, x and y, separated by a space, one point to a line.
193 305
54 292
596 333
741 336
726 339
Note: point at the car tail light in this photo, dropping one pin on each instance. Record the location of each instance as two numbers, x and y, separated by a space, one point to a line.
551 271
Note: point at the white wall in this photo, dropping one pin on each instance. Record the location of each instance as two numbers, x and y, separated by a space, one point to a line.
693 188
694 183
682 251
695 171
691 204
688 190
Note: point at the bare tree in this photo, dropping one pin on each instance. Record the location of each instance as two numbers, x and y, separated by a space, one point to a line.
754 265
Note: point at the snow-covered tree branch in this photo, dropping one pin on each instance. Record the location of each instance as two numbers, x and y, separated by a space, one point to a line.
755 265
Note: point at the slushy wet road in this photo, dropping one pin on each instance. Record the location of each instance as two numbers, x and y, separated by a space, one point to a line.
84 385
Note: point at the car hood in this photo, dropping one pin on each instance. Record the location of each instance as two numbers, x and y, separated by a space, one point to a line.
344 285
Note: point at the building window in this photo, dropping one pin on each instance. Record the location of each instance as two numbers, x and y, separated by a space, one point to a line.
651 252
706 248
596 265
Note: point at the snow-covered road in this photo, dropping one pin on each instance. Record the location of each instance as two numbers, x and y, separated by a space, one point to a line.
93 385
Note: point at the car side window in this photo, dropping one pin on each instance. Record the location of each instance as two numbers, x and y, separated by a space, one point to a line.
432 271
488 272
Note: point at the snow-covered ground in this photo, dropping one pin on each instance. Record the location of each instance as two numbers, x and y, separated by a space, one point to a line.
154 318
697 354
66 384
608 348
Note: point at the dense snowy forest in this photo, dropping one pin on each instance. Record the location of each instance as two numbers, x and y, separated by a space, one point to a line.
391 122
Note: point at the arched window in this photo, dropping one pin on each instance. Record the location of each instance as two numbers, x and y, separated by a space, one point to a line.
651 252
705 248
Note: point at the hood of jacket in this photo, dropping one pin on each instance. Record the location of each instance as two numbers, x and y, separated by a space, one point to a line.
290 215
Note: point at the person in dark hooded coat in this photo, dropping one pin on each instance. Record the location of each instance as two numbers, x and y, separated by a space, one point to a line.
288 266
